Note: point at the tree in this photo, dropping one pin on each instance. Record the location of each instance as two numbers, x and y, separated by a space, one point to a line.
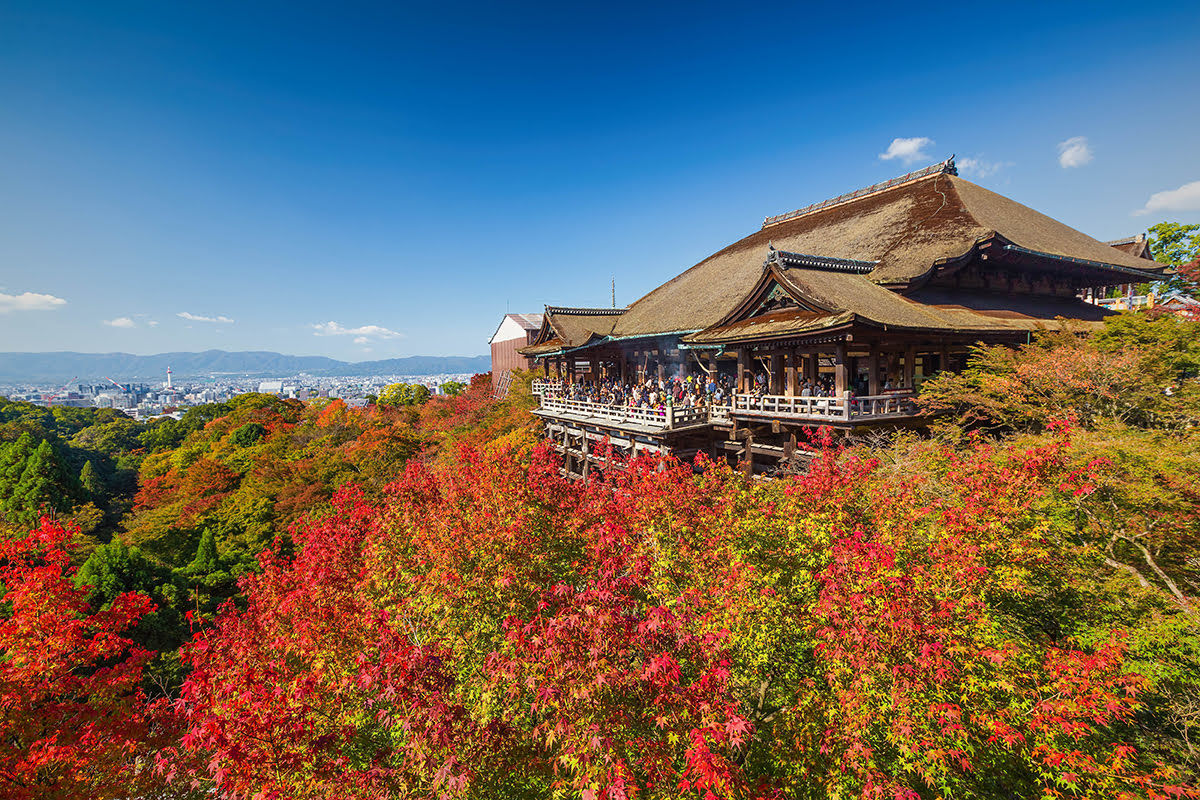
206 559
1178 245
453 388
44 486
71 713
1138 371
404 394
1175 244
13 456
91 483
113 570
247 435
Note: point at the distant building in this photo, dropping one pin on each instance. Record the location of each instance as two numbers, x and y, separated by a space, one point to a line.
515 331
1137 246
1180 305
271 387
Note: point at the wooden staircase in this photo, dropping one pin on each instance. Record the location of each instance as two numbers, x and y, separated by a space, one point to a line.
503 385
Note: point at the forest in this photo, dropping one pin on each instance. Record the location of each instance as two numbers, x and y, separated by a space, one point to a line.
275 599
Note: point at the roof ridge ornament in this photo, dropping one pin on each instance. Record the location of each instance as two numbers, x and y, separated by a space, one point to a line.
787 260
946 167
589 312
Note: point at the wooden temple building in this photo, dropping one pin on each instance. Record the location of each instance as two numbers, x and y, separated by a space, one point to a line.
875 290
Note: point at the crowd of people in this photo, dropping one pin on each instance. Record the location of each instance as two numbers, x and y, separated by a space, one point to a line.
698 391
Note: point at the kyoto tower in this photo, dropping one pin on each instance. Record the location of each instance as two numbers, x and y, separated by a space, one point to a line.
169 386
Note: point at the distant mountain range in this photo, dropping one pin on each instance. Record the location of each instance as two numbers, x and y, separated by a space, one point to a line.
124 367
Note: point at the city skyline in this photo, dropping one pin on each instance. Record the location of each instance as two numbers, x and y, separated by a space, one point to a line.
389 182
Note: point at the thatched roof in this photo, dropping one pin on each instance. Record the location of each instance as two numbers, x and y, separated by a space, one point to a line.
564 327
907 228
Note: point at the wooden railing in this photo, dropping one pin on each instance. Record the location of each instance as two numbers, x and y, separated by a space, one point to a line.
543 386
844 408
663 418
815 409
895 404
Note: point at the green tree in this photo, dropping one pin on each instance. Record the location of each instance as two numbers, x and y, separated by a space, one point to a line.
114 569
453 388
404 394
90 481
12 463
1178 245
248 434
206 560
1175 244
44 486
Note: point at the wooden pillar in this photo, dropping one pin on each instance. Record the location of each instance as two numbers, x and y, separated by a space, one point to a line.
893 367
748 459
839 369
910 364
873 367
571 369
545 368
944 358
683 364
712 366
624 370
660 369
791 390
776 373
741 369
586 459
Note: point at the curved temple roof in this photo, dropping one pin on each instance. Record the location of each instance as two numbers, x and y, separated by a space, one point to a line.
907 228
565 328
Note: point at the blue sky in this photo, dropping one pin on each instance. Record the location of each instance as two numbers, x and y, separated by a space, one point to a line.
373 180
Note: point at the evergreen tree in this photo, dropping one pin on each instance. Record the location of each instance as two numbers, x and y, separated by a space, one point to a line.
91 483
114 569
43 487
207 560
12 463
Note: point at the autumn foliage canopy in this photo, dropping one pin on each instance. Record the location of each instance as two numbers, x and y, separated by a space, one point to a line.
410 601
491 630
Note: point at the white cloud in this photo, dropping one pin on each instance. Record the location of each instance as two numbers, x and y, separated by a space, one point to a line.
198 318
361 340
153 323
980 168
1185 198
363 332
1074 152
120 322
908 150
29 301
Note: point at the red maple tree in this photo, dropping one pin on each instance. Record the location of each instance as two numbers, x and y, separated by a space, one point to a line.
72 718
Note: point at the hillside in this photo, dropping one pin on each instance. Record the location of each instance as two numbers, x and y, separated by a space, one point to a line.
309 600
